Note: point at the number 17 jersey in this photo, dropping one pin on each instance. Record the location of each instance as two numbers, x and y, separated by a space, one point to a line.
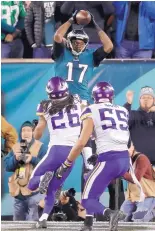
77 72
64 126
110 126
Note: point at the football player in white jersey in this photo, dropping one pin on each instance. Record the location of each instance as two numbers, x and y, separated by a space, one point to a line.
61 113
109 123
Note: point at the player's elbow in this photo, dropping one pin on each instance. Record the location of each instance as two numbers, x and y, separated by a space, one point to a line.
37 134
109 47
58 37
81 144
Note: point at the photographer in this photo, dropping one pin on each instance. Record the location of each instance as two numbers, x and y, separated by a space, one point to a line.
65 208
133 208
22 160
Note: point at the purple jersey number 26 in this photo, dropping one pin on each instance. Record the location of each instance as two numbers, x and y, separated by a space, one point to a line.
119 114
70 116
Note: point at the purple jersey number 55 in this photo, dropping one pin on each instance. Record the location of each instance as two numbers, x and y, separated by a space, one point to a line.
73 119
114 119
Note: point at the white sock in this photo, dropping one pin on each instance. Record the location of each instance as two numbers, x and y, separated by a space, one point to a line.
86 153
43 217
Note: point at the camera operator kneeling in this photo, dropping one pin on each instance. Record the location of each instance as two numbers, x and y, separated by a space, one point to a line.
22 160
133 209
66 208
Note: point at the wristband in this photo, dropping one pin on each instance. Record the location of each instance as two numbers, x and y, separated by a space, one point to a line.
68 163
71 20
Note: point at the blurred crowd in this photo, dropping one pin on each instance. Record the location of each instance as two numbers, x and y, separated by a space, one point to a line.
27 28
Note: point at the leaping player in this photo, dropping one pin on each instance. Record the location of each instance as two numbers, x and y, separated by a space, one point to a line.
110 125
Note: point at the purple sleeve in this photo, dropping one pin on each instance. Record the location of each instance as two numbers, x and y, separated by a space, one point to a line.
39 110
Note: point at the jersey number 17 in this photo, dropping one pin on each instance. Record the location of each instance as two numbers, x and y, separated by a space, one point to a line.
83 68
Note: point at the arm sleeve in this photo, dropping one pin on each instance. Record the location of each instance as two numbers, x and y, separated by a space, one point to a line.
58 50
131 113
42 152
119 7
128 177
29 25
142 164
153 117
7 28
11 164
67 7
22 14
98 56
127 106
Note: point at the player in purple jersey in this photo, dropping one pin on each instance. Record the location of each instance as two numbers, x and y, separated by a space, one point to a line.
61 114
109 123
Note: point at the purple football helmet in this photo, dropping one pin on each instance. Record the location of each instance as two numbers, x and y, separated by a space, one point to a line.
57 88
102 91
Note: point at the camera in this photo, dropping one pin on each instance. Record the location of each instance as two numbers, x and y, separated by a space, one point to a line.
60 216
69 193
24 150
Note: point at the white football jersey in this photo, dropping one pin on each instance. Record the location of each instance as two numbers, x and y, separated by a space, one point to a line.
64 127
110 126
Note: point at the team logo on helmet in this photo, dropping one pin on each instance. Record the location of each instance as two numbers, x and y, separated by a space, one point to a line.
57 88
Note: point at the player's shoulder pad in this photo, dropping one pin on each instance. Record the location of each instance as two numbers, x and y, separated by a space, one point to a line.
86 113
40 110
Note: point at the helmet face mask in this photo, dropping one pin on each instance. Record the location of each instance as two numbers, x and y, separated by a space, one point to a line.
77 41
103 92
57 89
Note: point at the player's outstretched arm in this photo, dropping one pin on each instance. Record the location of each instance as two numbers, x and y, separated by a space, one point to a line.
62 30
105 40
86 132
38 132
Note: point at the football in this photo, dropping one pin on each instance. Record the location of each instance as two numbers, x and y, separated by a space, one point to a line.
83 17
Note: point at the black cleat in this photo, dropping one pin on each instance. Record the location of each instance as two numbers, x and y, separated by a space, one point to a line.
86 228
41 224
88 223
113 216
43 186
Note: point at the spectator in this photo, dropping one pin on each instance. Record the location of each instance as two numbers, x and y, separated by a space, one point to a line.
40 27
12 24
28 50
9 134
135 36
142 122
21 161
132 208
